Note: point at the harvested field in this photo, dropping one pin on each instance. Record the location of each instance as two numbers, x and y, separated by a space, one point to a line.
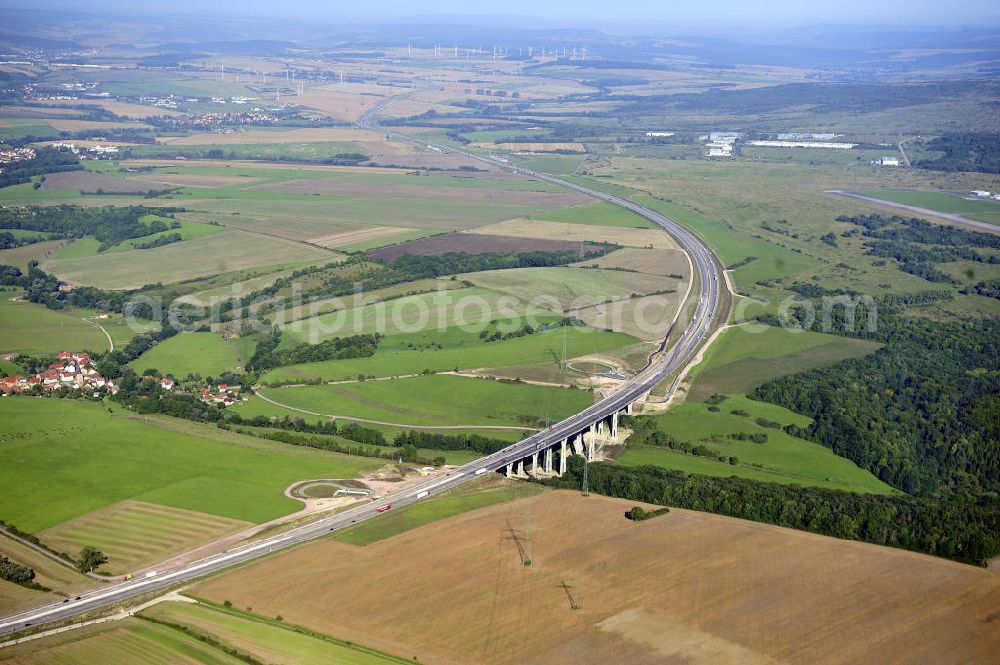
82 125
259 136
646 318
48 573
135 534
565 289
210 255
433 160
685 587
341 187
539 148
533 228
650 261
193 180
360 235
25 254
89 182
474 243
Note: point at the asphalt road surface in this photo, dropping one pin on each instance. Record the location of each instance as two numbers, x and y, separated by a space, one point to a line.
660 367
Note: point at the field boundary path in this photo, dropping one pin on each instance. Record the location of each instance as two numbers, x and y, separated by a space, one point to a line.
50 555
111 342
951 217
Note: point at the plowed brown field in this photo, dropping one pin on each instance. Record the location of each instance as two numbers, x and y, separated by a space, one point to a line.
685 588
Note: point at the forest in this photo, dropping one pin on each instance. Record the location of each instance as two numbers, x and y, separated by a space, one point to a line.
967 531
47 160
919 246
267 355
922 413
964 151
109 225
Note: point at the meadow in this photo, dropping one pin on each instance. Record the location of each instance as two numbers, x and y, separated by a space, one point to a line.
600 213
265 639
565 289
61 579
30 328
52 450
469 352
134 534
987 211
436 400
187 353
473 496
782 459
439 310
90 246
131 640
208 255
742 359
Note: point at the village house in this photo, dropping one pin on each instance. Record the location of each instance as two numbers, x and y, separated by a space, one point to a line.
73 371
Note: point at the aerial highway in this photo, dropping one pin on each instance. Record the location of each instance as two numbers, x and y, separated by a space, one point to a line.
661 366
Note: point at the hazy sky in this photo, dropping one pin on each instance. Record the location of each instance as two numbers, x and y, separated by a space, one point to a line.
760 14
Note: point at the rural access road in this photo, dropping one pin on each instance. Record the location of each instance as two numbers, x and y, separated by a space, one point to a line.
951 217
660 367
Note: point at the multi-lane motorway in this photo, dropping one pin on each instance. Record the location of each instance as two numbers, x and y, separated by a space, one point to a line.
660 367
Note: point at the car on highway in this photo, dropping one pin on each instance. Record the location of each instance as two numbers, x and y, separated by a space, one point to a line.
382 509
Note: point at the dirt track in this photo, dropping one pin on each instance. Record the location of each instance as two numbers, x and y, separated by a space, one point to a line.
682 588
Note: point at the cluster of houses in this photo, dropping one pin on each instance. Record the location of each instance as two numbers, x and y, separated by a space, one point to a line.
254 116
223 394
90 152
72 371
9 155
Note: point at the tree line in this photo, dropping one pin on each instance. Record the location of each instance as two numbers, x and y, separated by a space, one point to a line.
966 531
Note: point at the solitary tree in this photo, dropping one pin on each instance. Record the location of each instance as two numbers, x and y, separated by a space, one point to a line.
90 558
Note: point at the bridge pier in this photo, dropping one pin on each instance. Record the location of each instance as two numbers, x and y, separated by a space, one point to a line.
614 425
548 461
509 470
592 430
562 459
534 464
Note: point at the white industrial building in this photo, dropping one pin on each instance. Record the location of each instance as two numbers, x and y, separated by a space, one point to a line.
978 193
802 144
888 161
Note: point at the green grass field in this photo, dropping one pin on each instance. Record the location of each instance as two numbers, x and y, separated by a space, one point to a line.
395 358
89 246
265 639
127 641
433 400
485 493
20 257
187 353
600 213
31 328
565 288
61 579
209 255
438 310
51 452
981 209
782 459
741 360
134 534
